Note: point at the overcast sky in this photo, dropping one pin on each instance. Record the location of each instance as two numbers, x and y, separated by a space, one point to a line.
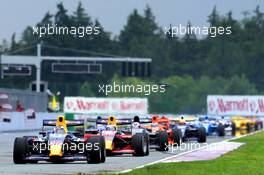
15 15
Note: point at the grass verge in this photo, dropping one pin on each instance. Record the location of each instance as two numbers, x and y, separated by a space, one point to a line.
246 160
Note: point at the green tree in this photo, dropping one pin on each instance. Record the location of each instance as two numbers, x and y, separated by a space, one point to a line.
86 90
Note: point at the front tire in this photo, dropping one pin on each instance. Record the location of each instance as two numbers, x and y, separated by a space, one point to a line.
163 143
96 155
19 151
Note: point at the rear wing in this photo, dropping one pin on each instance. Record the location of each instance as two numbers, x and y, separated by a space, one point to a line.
145 120
68 122
118 121
179 119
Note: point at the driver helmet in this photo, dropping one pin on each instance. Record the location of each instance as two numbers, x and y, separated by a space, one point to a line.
135 125
182 120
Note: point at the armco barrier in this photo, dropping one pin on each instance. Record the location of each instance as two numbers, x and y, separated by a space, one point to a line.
20 121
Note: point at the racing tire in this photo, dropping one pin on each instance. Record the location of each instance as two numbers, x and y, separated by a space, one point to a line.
233 126
248 127
177 137
94 155
29 148
221 130
201 135
140 144
147 141
19 150
103 150
163 143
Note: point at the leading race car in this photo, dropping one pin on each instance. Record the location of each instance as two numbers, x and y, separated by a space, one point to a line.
59 145
133 140
191 128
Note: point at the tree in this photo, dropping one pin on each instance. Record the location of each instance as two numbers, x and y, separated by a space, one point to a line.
214 17
86 90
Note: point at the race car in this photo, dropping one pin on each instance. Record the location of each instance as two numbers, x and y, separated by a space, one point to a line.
133 140
226 121
256 123
161 135
212 126
190 127
242 123
59 145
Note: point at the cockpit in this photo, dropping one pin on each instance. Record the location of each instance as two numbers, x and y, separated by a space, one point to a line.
154 125
111 128
58 130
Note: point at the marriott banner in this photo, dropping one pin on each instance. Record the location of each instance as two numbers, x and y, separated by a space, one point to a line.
84 105
235 105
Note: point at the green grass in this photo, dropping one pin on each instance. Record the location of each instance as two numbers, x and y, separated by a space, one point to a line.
248 159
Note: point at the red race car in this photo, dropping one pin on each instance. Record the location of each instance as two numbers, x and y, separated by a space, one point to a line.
127 140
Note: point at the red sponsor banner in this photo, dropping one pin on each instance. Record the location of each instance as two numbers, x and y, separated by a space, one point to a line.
85 105
235 105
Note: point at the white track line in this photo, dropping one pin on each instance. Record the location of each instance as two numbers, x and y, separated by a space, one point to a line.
187 152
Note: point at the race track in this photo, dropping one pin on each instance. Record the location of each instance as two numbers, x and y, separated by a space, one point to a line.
112 164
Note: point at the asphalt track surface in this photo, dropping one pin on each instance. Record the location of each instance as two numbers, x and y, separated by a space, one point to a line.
112 164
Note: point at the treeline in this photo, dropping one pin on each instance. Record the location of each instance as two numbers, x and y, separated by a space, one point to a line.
191 67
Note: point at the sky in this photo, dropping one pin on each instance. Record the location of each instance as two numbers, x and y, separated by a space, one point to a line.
15 15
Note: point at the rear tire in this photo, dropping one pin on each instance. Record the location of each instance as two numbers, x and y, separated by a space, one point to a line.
19 150
94 155
233 126
103 150
201 135
248 127
163 143
177 136
140 144
147 141
221 130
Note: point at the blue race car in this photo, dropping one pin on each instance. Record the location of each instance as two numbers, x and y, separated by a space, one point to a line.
212 126
191 129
